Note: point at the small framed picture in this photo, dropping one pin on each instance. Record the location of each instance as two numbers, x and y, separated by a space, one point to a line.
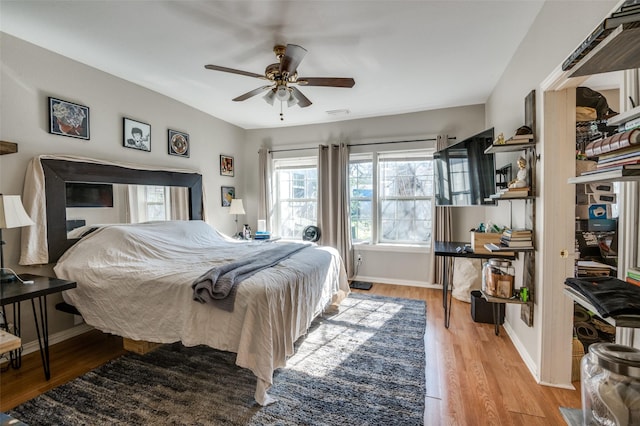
226 165
178 143
228 194
136 135
68 119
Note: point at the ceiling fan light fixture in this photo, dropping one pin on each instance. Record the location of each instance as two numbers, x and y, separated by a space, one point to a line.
292 101
270 97
282 93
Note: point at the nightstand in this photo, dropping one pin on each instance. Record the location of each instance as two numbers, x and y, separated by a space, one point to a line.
15 292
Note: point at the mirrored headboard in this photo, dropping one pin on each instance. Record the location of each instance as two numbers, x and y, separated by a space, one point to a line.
58 172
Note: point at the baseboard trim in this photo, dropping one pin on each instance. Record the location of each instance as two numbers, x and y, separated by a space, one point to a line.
528 361
397 282
61 336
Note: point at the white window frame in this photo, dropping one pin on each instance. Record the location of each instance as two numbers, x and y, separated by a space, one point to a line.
306 162
376 220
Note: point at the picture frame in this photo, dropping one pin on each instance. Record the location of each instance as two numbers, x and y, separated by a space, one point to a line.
178 143
68 119
226 165
227 193
136 135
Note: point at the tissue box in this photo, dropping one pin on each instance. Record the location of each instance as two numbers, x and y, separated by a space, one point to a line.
600 211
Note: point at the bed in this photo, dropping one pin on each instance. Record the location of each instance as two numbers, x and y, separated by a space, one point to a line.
136 281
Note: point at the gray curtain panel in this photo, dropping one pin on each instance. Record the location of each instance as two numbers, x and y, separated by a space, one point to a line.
442 225
264 192
333 201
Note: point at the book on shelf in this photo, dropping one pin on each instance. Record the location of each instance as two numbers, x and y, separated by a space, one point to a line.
634 273
627 152
631 161
629 125
633 281
517 233
613 143
519 139
492 247
526 244
612 168
591 268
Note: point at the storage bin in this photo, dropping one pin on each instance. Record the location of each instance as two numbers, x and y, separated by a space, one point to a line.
498 278
482 311
479 239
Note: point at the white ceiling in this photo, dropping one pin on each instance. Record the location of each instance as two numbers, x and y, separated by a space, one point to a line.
405 56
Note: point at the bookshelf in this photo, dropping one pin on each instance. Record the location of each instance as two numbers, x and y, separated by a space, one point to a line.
624 174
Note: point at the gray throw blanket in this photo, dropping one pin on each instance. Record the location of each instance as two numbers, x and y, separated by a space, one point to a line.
219 284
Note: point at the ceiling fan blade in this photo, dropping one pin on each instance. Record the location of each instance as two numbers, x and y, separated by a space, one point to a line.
303 101
292 58
326 81
251 93
233 71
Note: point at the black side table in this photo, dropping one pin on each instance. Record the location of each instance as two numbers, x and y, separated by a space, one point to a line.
16 292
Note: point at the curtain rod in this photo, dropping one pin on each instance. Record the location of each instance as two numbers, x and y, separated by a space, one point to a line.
361 144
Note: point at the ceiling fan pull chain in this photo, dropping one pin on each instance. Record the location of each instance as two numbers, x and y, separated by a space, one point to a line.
281 114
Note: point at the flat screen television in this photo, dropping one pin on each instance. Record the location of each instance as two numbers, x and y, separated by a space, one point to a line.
464 174
80 194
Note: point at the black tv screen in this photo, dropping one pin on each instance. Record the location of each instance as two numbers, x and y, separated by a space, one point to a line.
465 175
80 194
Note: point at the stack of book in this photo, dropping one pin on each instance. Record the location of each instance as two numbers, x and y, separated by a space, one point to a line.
262 235
591 268
511 193
517 238
512 239
633 276
616 151
528 138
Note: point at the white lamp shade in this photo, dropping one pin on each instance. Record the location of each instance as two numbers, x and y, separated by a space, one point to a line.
236 206
270 97
12 214
282 93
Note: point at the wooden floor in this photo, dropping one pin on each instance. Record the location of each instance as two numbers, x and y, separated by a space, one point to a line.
473 377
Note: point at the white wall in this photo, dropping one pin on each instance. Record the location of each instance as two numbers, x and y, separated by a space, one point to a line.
398 267
31 74
558 29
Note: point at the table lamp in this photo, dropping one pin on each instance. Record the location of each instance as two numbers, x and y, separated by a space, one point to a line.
12 215
236 208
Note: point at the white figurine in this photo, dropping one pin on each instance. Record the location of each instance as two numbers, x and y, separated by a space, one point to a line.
521 180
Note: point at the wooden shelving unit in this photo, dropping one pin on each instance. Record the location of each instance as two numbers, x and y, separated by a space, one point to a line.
509 147
620 175
8 147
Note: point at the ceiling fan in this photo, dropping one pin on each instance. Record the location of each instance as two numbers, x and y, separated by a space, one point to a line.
282 75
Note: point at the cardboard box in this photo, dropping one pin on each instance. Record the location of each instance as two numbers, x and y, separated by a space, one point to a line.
585 166
602 225
602 198
479 239
599 211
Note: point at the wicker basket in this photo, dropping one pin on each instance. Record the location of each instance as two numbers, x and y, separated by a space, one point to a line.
576 357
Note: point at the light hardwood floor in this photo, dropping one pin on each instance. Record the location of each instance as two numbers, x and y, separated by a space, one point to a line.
473 377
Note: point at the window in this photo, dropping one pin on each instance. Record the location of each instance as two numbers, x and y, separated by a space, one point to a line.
391 197
148 202
296 196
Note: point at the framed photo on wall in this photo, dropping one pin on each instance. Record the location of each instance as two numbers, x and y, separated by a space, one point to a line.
178 143
226 165
228 194
136 135
68 119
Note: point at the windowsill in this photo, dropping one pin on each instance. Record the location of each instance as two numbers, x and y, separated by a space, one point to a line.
397 248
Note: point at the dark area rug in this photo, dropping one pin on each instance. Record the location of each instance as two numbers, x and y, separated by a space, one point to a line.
362 366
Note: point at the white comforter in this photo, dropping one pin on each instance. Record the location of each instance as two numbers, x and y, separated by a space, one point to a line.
135 281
